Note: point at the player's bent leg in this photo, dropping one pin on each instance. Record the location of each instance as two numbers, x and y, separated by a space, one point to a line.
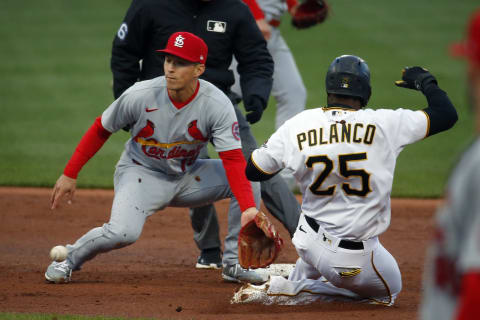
205 183
97 240
387 279
281 202
372 274
137 195
304 270
288 89
206 235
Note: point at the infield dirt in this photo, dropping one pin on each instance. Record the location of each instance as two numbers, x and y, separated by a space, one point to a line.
155 277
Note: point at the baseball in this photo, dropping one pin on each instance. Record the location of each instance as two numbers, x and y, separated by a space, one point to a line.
58 253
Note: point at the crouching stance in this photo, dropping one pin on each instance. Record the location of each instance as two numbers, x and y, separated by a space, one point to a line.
343 157
171 118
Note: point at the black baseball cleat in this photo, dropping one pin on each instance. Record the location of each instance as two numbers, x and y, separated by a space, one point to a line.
210 259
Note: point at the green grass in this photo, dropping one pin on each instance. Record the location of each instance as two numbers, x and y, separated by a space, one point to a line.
19 316
56 79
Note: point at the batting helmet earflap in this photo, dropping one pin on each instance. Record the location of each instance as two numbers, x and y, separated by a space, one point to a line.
349 75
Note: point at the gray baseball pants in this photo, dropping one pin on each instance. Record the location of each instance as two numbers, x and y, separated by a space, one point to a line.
140 192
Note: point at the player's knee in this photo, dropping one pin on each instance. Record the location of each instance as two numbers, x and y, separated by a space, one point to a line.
121 235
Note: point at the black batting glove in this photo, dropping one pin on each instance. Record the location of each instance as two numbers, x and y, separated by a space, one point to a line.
416 78
254 107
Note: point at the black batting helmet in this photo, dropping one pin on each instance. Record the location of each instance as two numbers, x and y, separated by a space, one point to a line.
349 76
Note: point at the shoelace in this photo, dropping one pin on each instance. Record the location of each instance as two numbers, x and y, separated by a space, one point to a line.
62 266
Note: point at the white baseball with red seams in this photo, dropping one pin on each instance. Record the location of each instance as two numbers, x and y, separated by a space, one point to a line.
58 253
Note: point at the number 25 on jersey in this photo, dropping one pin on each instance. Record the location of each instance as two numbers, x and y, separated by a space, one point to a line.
343 159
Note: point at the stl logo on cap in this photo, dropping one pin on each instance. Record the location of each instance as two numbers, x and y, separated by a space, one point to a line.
179 41
187 46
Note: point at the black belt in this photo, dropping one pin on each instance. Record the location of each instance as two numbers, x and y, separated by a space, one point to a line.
345 244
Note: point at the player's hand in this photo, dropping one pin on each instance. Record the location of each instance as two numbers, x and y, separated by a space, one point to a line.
265 28
258 241
416 78
248 215
254 108
64 186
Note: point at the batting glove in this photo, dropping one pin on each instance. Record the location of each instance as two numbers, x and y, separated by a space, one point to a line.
416 78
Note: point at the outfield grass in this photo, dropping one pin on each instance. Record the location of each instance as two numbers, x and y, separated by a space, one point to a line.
56 79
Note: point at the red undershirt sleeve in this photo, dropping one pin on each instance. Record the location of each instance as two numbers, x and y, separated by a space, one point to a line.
291 4
255 9
469 300
90 143
234 164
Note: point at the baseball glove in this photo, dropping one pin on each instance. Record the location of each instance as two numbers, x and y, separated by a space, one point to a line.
310 13
258 243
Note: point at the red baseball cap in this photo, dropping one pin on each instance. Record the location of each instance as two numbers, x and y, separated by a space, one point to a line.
470 47
187 46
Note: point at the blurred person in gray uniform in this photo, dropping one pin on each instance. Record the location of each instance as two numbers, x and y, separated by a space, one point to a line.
452 273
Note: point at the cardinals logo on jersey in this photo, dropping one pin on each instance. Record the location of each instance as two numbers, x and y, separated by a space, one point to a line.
146 131
194 132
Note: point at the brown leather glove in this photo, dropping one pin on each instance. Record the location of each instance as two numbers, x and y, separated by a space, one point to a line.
310 13
258 243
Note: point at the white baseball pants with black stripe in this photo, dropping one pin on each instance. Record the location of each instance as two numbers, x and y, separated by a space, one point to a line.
333 273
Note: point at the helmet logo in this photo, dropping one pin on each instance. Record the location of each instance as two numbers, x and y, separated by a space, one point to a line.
345 82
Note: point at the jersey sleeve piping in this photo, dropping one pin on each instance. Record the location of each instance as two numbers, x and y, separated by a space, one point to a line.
260 169
428 123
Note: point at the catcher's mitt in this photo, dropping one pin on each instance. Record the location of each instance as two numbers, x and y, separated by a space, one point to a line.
258 243
310 13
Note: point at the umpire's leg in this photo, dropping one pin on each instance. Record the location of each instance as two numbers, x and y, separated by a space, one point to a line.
205 222
276 195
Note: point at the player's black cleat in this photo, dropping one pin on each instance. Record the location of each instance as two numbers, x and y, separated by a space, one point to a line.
210 259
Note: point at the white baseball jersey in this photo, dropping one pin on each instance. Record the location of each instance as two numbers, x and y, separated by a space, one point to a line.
168 139
456 249
344 161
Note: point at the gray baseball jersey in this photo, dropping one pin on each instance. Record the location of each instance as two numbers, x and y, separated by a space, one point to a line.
168 139
456 248
159 166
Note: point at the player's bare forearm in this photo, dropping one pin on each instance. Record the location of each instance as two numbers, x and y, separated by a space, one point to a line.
65 186
264 28
248 215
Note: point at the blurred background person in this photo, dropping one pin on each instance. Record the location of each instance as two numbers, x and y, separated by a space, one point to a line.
452 274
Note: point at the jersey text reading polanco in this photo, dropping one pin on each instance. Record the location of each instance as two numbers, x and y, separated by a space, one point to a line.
340 132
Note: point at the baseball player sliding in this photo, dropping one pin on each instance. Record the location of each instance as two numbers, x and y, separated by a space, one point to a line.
343 157
172 117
